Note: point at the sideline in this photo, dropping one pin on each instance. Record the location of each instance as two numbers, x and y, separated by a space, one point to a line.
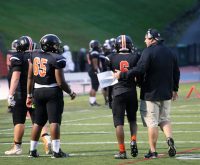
159 156
105 142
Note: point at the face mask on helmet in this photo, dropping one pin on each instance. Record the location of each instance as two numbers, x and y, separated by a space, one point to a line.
25 43
124 44
50 43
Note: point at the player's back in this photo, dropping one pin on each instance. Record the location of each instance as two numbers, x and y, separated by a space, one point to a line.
19 62
124 62
44 65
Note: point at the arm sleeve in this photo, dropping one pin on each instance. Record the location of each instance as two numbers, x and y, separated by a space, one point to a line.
141 67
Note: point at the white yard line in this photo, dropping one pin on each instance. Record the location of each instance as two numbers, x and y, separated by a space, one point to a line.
89 118
101 124
105 124
108 142
103 132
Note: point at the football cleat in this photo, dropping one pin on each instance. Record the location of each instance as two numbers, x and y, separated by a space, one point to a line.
120 155
33 154
95 104
134 150
60 154
15 150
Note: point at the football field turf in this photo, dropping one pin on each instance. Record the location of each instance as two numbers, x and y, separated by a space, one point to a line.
88 135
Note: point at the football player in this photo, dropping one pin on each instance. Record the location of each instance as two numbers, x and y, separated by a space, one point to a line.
94 68
46 71
17 94
106 52
124 94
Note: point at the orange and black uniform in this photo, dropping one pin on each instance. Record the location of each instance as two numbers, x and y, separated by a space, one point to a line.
19 62
124 92
48 96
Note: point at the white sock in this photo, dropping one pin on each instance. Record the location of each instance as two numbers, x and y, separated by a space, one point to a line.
33 145
56 145
92 99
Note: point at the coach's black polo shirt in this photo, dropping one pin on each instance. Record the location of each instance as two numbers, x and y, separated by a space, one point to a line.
161 73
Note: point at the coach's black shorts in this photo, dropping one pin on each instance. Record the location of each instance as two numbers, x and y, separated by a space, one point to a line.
48 105
94 80
125 102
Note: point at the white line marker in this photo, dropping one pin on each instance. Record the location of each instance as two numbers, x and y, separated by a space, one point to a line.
108 142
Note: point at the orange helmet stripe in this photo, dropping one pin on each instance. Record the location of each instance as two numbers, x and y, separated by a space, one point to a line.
123 42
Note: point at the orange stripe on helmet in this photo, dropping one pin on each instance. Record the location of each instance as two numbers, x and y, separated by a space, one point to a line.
123 42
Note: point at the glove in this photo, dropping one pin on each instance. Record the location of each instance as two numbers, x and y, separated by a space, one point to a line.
29 102
11 101
72 95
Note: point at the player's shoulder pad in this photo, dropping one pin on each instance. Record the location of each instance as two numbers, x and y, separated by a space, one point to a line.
16 59
94 53
59 61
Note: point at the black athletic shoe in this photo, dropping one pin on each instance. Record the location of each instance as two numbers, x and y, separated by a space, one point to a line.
120 155
172 148
33 154
95 104
151 155
134 150
60 154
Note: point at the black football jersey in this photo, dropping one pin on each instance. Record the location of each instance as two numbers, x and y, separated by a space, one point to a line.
103 61
44 65
20 62
94 55
123 62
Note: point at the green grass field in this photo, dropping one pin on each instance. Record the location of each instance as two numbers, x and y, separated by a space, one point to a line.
77 22
88 134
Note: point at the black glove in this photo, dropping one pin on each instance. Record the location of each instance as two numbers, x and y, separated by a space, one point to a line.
72 95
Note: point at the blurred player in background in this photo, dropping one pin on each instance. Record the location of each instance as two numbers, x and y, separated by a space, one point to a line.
69 62
94 68
104 67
